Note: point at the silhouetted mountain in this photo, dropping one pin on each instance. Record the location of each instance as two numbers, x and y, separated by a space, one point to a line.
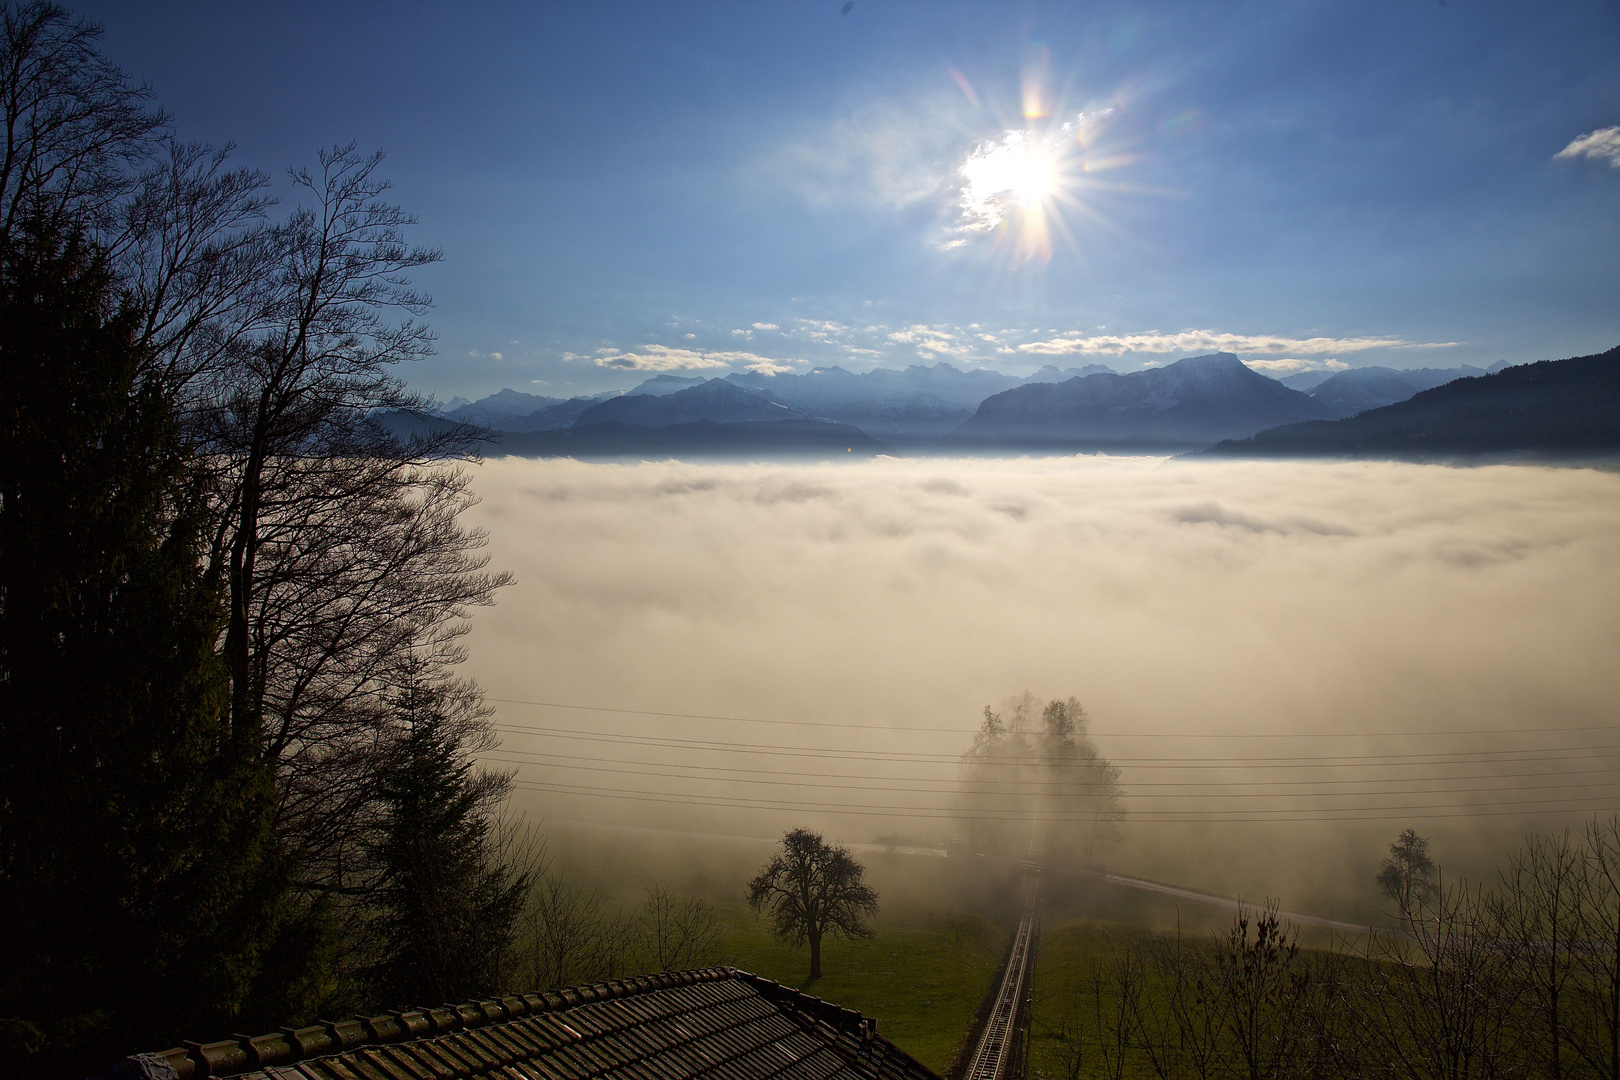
1181 405
1359 389
1554 409
703 438
710 399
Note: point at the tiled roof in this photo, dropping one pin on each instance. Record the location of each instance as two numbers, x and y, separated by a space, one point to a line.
719 1023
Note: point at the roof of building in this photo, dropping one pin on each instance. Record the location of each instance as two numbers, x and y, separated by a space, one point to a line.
713 1022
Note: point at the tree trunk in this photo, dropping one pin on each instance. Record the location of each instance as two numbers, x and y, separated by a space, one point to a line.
815 956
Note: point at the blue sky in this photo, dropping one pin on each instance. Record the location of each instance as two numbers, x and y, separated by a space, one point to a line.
698 187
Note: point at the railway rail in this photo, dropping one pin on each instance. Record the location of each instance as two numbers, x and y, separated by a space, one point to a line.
1001 1050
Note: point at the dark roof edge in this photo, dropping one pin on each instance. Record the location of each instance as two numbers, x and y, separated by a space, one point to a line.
242 1053
837 1015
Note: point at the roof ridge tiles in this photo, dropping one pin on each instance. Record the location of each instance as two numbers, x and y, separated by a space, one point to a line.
425 1024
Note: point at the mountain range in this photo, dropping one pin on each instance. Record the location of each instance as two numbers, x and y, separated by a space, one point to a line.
1188 405
1185 405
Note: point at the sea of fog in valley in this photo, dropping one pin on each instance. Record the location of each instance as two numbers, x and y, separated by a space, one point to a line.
1288 661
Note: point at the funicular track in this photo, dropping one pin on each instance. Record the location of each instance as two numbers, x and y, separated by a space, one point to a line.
1001 1049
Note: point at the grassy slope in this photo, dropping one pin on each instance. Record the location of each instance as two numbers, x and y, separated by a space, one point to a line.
1071 953
922 977
1074 953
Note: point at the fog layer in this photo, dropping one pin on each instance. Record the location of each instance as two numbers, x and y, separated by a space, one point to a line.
1248 609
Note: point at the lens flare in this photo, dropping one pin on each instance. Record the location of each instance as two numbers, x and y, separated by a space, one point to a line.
1022 187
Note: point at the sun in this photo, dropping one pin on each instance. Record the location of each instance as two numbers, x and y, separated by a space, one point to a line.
1012 183
1033 175
1016 169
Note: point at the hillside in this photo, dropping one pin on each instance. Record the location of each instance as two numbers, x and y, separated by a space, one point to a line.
1555 409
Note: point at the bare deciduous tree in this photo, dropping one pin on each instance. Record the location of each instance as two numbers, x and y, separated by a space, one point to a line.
1539 909
677 932
1435 1004
1595 1028
811 889
77 128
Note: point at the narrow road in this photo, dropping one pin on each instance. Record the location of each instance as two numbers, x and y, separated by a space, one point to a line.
1001 1050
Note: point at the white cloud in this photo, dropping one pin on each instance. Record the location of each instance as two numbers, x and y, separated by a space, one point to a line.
1296 366
763 366
665 358
888 152
742 333
1211 341
931 341
1600 145
766 326
821 329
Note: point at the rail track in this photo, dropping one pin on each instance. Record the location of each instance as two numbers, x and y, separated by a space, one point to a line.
1001 1049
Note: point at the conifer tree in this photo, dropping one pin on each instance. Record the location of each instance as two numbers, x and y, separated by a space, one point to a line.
446 907
137 875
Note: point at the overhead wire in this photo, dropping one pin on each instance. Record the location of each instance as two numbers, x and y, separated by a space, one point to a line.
1394 764
1606 728
1036 787
1203 762
724 802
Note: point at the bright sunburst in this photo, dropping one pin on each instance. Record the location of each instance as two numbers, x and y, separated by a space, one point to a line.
1017 187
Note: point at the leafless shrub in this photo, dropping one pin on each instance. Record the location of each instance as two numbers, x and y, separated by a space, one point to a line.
677 932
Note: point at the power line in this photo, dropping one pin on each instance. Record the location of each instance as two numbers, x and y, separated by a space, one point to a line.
1036 814
1289 762
1014 787
1607 729
1335 816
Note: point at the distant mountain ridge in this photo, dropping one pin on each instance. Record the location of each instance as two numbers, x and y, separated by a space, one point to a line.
1359 389
713 399
1554 408
1188 404
917 404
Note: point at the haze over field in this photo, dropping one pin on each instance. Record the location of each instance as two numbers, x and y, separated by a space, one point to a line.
1200 611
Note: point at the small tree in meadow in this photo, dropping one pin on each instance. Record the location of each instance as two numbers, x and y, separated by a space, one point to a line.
811 889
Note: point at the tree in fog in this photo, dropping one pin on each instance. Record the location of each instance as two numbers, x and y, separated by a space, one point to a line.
1033 781
1080 791
1408 875
811 889
995 801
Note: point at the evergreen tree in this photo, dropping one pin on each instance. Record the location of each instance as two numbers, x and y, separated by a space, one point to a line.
446 907
136 873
